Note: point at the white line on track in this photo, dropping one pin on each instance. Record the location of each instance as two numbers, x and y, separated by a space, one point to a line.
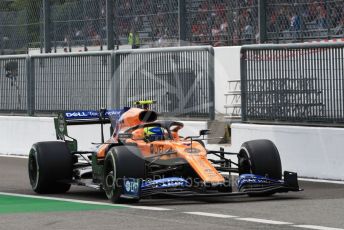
264 221
316 227
14 156
210 214
261 221
321 181
87 202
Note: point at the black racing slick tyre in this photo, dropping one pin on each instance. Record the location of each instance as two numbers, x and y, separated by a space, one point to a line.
260 157
50 167
120 162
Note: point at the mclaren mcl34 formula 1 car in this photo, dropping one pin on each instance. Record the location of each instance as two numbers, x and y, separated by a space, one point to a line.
146 157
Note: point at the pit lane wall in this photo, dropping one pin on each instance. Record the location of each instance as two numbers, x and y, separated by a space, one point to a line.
315 152
17 134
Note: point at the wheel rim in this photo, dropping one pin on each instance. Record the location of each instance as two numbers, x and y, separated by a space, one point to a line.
244 162
33 170
109 180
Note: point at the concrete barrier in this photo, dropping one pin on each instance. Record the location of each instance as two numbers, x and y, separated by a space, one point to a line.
17 134
316 152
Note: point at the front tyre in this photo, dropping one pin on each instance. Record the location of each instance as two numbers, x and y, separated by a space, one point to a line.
260 157
121 162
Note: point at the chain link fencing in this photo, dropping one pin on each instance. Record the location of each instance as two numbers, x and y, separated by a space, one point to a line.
152 23
83 25
78 24
220 22
20 26
300 20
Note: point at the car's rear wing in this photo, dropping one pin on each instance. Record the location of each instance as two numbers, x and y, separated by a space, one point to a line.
92 116
85 117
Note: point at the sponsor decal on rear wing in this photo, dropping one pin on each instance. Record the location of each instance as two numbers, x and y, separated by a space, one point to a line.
92 114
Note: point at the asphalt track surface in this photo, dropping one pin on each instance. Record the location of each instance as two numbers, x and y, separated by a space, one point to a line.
320 206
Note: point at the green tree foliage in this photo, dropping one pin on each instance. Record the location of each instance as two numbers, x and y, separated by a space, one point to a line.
32 19
21 4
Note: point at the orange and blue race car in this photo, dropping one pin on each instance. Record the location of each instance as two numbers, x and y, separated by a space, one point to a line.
145 157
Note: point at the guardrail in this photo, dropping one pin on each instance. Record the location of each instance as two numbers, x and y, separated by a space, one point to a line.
180 79
298 83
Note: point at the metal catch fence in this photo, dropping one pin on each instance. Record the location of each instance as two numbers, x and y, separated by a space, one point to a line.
301 83
13 84
65 26
180 79
64 82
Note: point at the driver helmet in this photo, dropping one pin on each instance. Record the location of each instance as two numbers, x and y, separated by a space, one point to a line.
153 133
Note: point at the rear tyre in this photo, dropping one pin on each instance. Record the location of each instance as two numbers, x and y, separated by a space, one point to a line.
120 162
50 167
260 157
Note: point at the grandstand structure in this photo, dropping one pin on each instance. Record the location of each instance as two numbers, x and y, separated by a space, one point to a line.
81 25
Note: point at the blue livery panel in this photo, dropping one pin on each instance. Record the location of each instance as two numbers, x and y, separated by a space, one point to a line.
169 182
252 179
131 187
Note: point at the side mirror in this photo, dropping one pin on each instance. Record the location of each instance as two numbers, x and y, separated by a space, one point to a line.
204 132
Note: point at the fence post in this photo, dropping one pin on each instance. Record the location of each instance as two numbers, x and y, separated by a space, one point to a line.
30 73
230 30
210 23
328 19
182 22
109 25
116 81
47 26
243 82
112 77
1 38
211 83
262 22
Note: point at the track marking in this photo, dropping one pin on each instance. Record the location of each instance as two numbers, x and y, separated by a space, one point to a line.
210 214
14 156
316 227
264 221
261 221
87 202
322 181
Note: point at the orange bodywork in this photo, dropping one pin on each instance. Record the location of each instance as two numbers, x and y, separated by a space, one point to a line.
131 118
194 153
